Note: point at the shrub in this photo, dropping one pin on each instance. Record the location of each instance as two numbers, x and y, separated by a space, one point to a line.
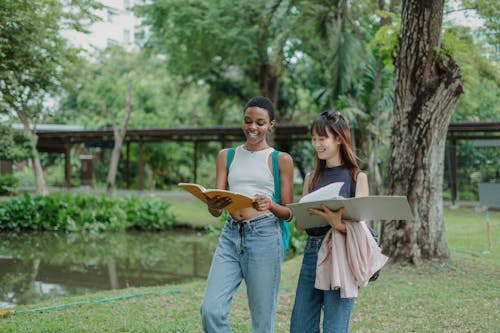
8 184
67 212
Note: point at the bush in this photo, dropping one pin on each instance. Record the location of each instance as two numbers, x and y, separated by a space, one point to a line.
8 184
66 212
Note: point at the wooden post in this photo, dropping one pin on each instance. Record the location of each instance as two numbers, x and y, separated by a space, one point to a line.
141 166
488 229
127 170
67 158
453 170
195 162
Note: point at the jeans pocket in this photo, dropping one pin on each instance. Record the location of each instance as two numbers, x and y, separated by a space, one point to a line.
265 228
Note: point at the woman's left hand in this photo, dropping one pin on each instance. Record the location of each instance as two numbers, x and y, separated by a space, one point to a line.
334 218
262 202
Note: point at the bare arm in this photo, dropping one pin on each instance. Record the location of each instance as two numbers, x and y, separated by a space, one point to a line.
305 190
285 164
362 189
216 205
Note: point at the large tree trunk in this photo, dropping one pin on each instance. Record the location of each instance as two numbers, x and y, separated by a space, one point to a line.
119 134
41 186
269 82
426 90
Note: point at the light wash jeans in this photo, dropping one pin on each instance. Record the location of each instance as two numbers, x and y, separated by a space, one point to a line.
250 250
309 301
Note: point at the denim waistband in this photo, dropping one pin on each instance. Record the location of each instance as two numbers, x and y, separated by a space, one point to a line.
314 241
231 220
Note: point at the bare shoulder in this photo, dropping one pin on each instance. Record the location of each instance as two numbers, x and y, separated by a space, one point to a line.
223 151
361 177
285 159
222 156
362 189
307 181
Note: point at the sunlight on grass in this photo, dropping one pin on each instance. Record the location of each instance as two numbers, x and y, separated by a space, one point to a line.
461 295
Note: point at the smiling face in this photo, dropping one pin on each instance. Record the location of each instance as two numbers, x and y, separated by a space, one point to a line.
256 124
327 147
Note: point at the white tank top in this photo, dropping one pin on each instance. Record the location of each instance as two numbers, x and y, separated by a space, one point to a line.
249 172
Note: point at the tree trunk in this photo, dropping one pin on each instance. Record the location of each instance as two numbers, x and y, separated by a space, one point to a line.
426 90
41 186
376 182
119 134
269 82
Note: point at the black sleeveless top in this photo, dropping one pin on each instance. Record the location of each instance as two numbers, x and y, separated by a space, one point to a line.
333 175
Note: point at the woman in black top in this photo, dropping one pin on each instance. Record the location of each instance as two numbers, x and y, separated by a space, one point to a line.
334 162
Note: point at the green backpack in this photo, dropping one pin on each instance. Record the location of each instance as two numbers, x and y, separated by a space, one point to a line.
284 225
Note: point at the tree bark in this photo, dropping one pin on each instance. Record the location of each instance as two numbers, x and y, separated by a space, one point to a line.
269 82
119 134
426 90
41 186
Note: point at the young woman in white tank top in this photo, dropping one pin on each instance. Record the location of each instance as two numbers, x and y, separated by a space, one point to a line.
250 245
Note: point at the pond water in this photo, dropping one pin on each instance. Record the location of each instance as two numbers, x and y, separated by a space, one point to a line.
38 266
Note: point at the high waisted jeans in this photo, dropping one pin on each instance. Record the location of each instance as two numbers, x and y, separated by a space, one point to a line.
249 250
309 300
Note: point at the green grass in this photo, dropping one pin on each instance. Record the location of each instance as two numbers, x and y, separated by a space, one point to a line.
192 211
462 295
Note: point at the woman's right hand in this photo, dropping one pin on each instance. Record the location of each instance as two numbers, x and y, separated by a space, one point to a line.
217 202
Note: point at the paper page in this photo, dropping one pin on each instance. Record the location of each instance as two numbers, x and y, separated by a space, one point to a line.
330 191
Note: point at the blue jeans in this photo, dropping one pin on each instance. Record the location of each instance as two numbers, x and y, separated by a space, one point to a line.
309 301
251 250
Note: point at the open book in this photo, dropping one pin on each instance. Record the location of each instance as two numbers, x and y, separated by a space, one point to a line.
238 201
358 209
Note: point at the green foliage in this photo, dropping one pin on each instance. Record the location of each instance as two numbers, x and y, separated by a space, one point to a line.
159 99
66 212
33 52
25 177
15 145
234 47
385 40
8 184
481 78
489 11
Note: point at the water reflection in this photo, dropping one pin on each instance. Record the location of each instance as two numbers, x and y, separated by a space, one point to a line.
36 266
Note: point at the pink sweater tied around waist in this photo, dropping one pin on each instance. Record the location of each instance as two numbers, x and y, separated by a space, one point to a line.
347 261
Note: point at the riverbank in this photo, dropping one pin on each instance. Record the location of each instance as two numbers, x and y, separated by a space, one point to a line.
461 295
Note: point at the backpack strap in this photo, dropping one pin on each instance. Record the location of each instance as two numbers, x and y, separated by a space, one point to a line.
284 225
276 175
229 158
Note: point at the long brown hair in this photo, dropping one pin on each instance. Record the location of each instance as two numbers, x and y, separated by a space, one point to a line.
336 124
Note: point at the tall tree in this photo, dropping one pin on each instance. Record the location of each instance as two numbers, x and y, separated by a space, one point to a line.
105 92
329 32
119 133
32 58
234 47
427 86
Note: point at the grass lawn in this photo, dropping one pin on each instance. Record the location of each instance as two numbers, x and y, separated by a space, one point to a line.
462 295
192 211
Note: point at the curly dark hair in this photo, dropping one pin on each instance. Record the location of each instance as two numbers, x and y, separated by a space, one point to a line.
263 103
